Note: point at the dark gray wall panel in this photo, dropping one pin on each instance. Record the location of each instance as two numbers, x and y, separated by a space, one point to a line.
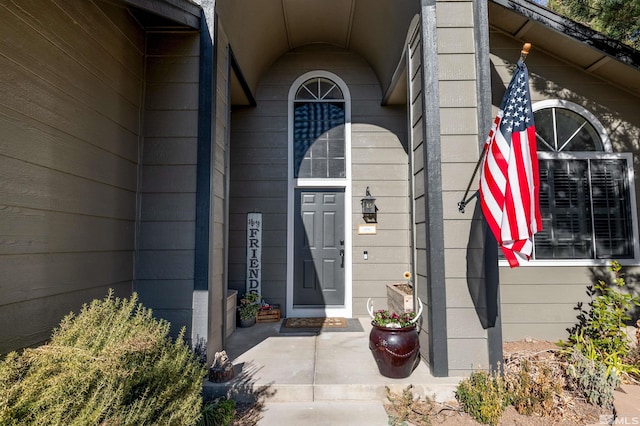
46 313
166 231
70 272
168 206
68 160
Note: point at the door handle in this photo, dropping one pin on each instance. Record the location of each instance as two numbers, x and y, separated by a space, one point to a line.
342 258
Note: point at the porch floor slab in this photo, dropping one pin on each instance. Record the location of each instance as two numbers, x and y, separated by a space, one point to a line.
305 368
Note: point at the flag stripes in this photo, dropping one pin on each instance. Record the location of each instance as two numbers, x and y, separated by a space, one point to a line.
509 182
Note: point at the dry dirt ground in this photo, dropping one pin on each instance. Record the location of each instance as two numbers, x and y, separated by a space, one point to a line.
572 411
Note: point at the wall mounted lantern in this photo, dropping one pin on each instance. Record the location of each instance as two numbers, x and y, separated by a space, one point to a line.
369 209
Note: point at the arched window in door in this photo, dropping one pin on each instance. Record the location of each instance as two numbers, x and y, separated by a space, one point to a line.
319 130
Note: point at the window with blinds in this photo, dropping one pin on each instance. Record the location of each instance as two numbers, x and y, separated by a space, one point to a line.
585 207
587 193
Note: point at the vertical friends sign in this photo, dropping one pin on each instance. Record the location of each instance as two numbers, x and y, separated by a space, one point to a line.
254 253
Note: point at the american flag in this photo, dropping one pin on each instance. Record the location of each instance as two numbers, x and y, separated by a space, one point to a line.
509 182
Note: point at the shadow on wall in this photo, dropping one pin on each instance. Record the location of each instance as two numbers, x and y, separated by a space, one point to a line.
622 127
482 270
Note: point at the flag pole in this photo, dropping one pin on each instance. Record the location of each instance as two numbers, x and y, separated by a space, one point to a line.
463 203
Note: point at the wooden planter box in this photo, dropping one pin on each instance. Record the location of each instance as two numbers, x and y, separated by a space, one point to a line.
269 315
398 300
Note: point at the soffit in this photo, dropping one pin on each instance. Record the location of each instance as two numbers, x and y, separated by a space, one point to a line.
163 13
568 41
260 31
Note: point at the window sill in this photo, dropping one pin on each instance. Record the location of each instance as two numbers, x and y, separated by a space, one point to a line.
573 262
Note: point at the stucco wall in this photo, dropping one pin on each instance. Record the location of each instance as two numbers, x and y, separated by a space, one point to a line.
71 90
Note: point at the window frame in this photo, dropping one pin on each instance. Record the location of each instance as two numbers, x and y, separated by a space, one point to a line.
606 153
298 182
344 183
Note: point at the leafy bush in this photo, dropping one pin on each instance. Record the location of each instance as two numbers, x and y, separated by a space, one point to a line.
599 334
483 396
219 412
591 379
112 364
249 306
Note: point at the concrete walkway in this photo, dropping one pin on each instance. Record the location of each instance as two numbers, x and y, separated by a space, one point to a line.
329 378
332 379
627 405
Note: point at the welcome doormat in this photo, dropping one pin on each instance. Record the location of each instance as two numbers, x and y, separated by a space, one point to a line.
320 324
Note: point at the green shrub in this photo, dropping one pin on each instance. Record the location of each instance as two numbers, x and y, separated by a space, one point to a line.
219 412
600 332
591 379
112 364
483 396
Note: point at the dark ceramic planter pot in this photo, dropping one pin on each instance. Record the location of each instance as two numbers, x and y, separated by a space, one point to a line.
395 350
247 322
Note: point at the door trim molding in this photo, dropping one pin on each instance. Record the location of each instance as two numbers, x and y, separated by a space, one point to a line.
330 310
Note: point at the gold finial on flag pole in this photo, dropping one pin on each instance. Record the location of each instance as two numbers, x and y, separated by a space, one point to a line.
525 51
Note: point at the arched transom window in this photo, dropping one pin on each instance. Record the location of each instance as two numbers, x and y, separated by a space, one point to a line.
560 129
319 130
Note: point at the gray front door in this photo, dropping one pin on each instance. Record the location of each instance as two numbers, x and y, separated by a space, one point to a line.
319 247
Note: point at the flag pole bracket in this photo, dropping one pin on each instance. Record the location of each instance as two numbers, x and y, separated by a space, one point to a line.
463 203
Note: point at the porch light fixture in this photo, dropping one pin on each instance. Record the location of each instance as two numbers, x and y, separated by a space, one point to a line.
369 209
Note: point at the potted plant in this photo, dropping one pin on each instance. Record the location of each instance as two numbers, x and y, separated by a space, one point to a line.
400 295
393 341
248 309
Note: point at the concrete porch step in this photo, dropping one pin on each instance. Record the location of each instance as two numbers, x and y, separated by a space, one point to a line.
349 413
331 366
246 391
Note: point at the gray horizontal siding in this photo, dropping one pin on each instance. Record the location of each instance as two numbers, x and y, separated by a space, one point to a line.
69 116
38 187
69 271
539 301
259 174
45 313
166 230
42 231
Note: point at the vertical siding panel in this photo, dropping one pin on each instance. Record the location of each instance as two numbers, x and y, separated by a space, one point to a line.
416 121
70 122
217 268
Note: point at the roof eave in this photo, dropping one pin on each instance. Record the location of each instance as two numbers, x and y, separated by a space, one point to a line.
586 35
